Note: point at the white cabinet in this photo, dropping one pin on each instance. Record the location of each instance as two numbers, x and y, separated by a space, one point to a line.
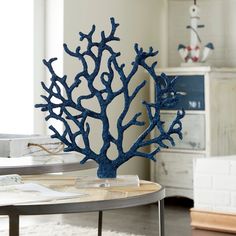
209 126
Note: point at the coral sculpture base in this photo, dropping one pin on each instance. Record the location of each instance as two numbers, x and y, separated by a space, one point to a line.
119 181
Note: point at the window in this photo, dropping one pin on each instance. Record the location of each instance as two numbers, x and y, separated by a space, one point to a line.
16 70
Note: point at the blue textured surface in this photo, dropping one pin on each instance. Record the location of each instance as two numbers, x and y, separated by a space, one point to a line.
59 102
191 93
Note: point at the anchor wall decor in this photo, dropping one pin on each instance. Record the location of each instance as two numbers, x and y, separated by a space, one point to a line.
192 54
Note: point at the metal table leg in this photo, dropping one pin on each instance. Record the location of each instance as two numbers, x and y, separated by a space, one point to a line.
100 223
161 217
13 225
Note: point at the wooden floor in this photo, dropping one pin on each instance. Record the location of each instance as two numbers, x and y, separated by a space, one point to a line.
144 220
139 220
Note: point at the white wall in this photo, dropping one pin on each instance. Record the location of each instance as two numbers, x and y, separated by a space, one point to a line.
140 21
219 19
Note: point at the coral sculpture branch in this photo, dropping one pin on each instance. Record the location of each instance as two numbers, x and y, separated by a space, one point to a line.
59 103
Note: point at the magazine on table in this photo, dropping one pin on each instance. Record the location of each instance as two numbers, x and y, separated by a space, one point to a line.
31 193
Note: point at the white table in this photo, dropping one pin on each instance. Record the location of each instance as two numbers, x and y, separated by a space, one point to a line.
31 165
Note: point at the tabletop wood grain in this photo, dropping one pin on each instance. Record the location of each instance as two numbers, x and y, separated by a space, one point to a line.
68 184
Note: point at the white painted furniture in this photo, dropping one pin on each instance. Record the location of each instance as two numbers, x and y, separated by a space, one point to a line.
209 126
19 145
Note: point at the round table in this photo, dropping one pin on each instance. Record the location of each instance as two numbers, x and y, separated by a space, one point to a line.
33 165
94 199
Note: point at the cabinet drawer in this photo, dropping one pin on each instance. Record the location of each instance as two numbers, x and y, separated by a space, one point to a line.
175 169
193 131
192 89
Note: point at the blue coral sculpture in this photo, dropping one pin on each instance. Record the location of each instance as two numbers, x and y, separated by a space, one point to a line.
59 102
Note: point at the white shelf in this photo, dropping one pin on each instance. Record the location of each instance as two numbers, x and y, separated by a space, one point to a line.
184 151
189 112
200 70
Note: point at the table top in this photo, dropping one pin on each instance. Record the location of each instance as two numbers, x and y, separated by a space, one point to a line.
29 165
94 199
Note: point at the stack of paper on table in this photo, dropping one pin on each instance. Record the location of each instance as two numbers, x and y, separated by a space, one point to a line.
30 193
